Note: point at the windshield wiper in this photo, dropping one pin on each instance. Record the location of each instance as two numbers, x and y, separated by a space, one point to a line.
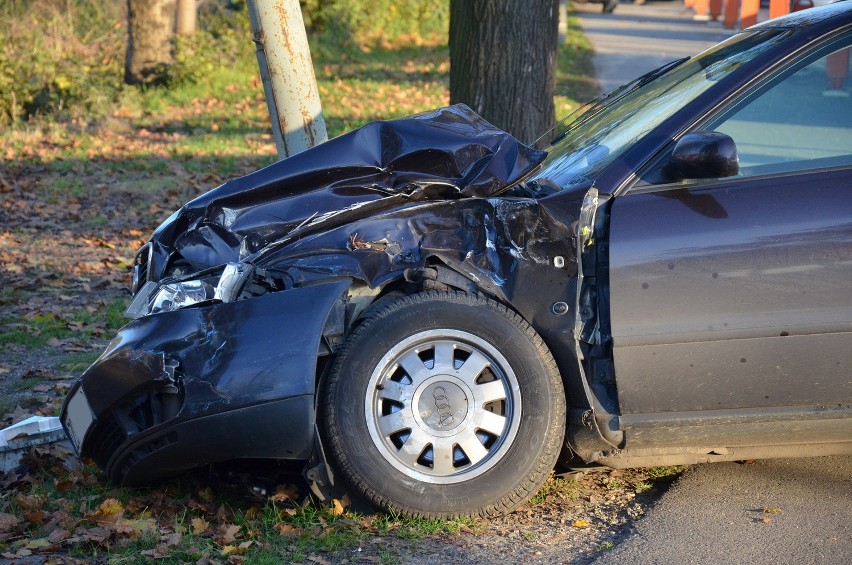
589 108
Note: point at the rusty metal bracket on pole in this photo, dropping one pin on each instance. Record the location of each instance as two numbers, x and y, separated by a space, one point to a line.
287 72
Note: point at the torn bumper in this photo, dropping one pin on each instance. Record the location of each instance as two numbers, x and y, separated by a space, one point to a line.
186 388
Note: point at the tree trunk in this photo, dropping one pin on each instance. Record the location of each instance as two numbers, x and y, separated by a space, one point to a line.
150 51
187 11
503 62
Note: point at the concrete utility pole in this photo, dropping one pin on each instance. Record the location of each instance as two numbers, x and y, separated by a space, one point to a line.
284 58
186 17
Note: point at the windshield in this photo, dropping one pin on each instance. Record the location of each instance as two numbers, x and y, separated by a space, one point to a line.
607 129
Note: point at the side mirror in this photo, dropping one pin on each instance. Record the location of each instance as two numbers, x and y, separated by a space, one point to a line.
703 155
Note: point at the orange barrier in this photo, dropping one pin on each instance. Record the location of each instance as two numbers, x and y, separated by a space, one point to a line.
715 9
778 8
732 14
748 13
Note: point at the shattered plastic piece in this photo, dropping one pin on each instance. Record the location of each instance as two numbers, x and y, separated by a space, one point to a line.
36 430
33 427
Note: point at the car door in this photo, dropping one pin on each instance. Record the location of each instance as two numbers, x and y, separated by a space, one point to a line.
732 298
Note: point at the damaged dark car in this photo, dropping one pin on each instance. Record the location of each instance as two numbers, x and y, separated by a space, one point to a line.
432 313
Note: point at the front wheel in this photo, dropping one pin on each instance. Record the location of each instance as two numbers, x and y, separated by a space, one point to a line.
444 404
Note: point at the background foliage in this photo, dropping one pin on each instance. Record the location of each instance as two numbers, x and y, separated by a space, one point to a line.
64 58
367 23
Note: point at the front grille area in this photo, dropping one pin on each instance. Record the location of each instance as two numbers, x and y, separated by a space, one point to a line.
131 418
145 448
152 409
103 439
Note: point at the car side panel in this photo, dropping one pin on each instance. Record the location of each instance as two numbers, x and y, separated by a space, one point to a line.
733 294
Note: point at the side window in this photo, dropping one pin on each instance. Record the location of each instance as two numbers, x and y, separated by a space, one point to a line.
801 122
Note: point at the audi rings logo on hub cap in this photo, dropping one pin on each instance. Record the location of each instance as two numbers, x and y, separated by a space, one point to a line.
442 403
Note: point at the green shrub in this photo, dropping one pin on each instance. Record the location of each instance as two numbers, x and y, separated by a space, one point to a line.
64 59
383 23
224 37
55 54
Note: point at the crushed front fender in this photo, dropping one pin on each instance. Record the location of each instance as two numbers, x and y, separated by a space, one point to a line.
182 389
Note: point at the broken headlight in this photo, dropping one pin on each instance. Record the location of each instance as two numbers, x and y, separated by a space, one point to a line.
173 296
154 298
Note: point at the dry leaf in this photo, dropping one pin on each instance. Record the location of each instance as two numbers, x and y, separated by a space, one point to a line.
109 511
38 543
226 533
284 493
30 502
136 527
229 549
159 552
57 536
199 525
336 508
36 517
8 522
286 529
206 494
580 524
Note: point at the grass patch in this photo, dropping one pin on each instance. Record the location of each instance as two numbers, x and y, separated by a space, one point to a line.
671 472
412 528
76 363
555 489
26 383
35 331
38 330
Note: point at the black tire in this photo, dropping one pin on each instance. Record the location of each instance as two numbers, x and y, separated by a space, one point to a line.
443 404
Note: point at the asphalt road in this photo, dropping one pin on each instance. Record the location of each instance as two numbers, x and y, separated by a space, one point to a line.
776 512
636 39
796 511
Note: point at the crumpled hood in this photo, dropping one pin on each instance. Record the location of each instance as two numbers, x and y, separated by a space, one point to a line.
447 153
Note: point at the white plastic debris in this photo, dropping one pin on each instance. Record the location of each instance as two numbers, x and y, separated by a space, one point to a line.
36 430
32 426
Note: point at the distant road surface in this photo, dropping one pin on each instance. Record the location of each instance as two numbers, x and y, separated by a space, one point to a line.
778 512
637 39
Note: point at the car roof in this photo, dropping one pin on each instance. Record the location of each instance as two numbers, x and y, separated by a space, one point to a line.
837 13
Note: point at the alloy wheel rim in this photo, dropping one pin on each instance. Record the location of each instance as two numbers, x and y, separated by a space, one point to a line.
443 406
